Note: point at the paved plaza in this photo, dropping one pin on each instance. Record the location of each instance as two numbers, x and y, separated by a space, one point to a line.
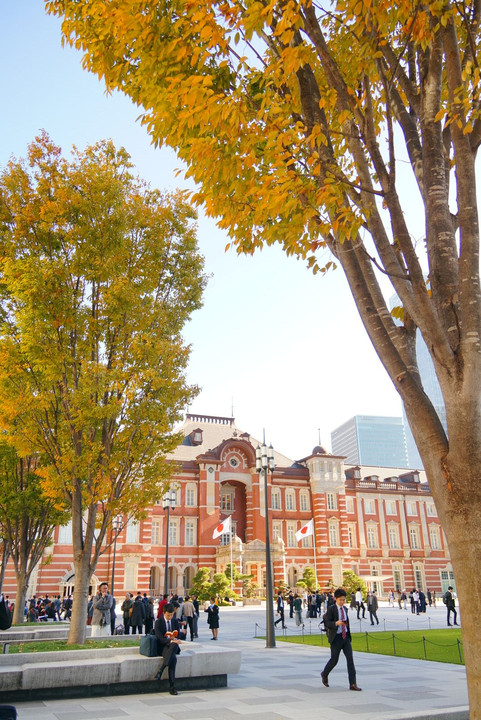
284 682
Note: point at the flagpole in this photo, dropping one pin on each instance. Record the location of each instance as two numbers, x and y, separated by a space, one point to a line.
315 559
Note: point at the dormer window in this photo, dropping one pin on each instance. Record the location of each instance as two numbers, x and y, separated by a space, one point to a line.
196 437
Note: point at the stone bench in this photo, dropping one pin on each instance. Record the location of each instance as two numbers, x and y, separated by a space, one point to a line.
110 671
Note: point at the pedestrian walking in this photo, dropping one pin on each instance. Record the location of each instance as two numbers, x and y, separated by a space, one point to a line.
336 622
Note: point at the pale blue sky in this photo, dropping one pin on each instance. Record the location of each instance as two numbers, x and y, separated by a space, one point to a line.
286 347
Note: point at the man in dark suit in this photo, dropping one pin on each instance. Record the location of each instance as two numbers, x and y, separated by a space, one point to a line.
280 610
168 645
450 604
336 622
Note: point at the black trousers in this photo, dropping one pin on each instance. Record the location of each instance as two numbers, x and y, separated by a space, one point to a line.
452 610
169 658
281 617
337 645
190 625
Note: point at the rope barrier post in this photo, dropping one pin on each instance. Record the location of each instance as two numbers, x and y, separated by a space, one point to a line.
429 622
459 651
367 641
407 623
255 630
424 647
303 632
384 623
393 644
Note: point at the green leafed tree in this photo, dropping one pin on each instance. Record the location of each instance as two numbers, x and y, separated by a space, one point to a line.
351 582
347 132
308 579
28 518
98 275
201 584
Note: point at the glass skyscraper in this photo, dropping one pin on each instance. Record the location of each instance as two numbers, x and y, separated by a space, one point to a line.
371 440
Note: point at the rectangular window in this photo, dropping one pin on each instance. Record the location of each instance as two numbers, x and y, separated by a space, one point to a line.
372 536
65 534
306 541
414 536
133 532
394 537
289 501
431 509
351 536
391 507
411 508
131 572
369 507
226 537
291 535
304 502
155 537
173 532
434 538
190 533
349 505
333 535
227 502
331 501
276 530
276 500
190 496
397 574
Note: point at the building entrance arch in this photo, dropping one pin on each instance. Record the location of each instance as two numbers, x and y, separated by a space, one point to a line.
155 580
67 585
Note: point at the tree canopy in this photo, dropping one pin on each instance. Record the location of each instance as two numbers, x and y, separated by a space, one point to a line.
99 274
351 126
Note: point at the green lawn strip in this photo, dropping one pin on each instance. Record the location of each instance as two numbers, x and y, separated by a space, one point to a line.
54 645
439 645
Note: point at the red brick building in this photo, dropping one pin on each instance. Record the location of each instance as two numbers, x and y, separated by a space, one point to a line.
379 522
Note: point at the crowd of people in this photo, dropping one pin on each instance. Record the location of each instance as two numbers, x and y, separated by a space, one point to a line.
43 609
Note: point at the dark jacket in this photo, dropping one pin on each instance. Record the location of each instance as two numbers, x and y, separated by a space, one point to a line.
213 616
330 617
138 612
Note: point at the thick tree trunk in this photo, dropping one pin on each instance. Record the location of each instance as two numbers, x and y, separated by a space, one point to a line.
454 479
22 579
464 547
78 622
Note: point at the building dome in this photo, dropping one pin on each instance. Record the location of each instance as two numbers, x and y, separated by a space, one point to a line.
319 450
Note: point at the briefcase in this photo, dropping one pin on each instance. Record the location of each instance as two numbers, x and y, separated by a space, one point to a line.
148 646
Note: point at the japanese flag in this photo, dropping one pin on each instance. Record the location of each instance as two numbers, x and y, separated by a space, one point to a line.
305 531
222 528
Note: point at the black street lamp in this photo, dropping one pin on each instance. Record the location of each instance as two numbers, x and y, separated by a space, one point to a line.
265 462
117 527
168 501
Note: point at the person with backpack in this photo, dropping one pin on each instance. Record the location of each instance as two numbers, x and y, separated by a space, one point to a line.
448 600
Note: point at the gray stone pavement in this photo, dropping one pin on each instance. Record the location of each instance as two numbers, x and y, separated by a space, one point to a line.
284 682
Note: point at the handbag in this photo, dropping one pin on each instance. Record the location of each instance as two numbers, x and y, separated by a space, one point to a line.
148 646
5 616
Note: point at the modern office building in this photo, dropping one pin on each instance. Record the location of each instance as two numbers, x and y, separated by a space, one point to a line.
371 440
376 521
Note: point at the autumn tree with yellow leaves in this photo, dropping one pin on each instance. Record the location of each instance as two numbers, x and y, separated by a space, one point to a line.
98 275
344 127
28 518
